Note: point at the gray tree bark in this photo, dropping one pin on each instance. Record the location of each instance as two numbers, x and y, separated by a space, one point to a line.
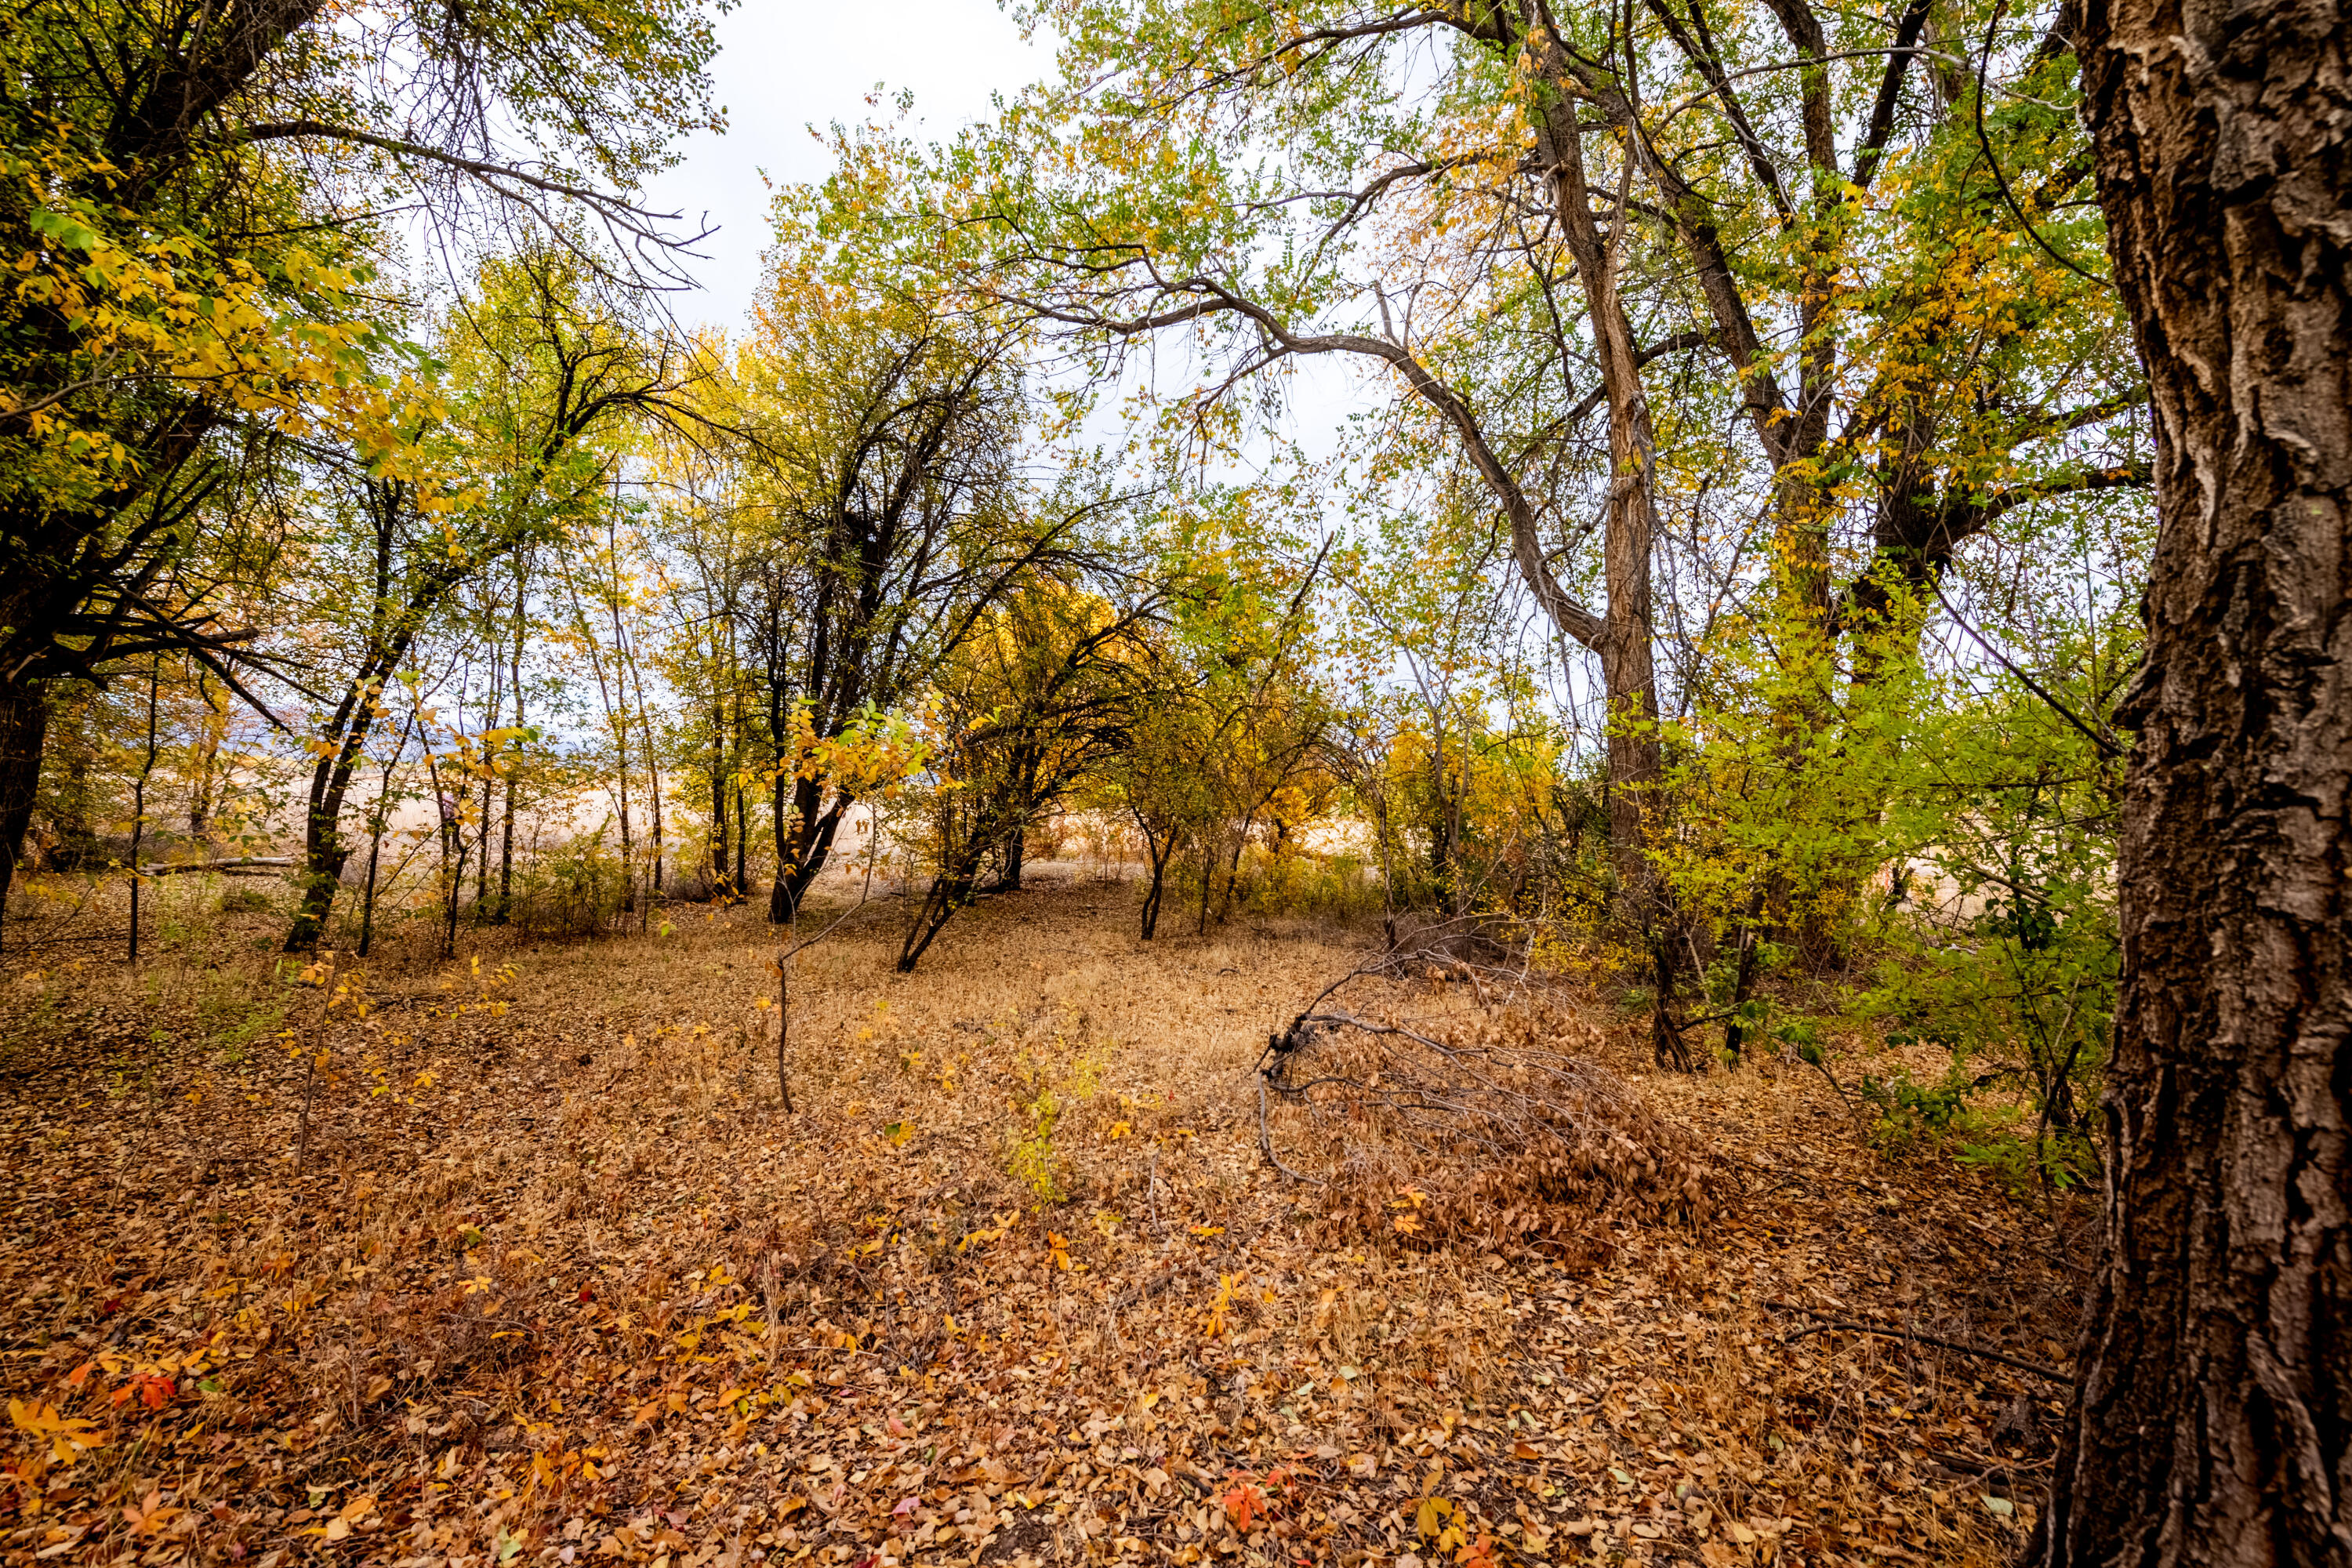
2212 1421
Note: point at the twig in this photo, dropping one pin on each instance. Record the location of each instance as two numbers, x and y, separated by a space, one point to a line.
783 967
1266 1143
1850 1326
2107 747
1175 1271
1963 1463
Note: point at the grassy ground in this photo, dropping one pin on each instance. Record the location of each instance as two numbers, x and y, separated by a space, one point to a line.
544 1272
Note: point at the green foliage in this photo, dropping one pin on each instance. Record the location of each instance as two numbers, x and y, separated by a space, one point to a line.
1049 1087
577 890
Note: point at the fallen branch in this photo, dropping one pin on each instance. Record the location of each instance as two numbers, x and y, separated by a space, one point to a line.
241 863
1266 1143
1884 1331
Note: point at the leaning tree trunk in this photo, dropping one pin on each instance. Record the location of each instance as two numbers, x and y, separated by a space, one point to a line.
2212 1421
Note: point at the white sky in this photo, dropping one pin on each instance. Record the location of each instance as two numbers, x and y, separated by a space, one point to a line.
786 65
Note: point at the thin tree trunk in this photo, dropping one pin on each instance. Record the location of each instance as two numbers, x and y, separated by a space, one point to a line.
514 682
653 763
742 816
453 850
1628 669
375 836
1743 982
617 720
139 800
742 839
719 887
1155 851
1016 845
653 793
628 845
2213 1418
490 785
780 911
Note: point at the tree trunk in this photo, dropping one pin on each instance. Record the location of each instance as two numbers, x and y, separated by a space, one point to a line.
323 849
743 836
2213 1418
514 676
653 788
24 727
719 888
1016 845
801 858
1156 850
367 899
951 890
139 799
1628 666
489 786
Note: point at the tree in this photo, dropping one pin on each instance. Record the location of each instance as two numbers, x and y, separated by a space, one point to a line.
191 195
2212 1415
881 438
1156 779
1538 220
1041 694
543 365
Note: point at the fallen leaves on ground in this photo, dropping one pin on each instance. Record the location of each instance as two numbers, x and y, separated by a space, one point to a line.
560 1282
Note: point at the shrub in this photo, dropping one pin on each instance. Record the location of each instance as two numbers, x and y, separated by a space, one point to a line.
1488 1132
578 890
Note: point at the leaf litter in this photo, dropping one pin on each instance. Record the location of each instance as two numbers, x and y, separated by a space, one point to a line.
558 1282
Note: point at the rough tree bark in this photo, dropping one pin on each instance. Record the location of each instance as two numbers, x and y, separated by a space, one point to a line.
23 726
2212 1421
1629 672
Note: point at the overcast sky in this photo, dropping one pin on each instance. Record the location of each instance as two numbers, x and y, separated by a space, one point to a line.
786 65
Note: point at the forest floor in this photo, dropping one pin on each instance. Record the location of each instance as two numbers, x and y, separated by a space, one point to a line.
549 1274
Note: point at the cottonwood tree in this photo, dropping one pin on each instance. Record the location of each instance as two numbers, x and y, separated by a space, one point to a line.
886 480
882 438
1612 255
192 201
543 363
2212 1417
1041 694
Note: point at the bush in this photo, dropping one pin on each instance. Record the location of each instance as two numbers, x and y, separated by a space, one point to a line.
246 901
579 890
1301 883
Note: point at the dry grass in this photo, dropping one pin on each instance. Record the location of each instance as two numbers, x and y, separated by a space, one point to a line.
1013 1280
